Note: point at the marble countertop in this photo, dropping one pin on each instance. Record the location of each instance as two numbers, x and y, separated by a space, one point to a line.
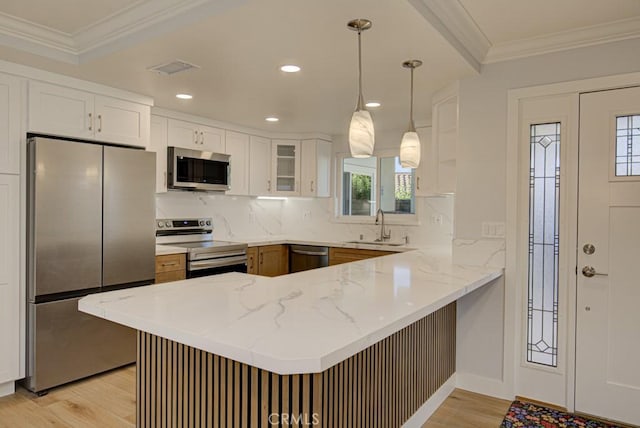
304 322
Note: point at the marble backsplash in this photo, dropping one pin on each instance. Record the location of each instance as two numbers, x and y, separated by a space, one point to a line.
301 218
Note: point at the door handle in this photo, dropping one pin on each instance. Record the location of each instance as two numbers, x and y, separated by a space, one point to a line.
195 137
90 121
418 183
312 185
202 138
99 123
590 271
268 185
261 258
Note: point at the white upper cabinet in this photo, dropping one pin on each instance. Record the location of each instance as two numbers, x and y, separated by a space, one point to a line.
121 121
158 144
10 133
73 113
237 145
259 166
445 137
426 173
315 168
194 136
285 167
10 302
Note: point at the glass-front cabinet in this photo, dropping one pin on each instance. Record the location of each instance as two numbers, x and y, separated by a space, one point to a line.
286 167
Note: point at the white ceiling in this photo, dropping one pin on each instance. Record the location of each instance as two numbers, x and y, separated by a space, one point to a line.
239 45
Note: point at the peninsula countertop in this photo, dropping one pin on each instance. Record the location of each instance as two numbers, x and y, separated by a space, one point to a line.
303 322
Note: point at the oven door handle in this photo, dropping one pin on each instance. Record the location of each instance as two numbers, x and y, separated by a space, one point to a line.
220 262
195 255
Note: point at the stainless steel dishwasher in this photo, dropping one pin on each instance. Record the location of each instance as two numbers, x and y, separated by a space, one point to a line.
305 257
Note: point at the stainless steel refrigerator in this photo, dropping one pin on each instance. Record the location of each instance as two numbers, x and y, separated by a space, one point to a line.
91 213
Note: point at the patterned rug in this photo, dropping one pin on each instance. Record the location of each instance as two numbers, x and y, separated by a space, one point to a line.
526 415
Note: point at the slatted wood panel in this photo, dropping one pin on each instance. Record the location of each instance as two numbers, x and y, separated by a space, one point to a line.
381 386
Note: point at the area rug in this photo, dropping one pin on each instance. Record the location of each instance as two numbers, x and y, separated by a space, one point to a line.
526 415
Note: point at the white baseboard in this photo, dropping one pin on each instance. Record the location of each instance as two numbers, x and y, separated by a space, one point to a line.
431 405
7 388
483 385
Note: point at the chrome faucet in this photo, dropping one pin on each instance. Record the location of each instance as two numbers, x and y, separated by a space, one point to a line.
383 236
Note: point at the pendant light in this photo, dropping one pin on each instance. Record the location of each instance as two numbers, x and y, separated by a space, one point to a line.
361 132
410 145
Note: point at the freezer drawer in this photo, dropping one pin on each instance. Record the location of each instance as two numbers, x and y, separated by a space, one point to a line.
66 345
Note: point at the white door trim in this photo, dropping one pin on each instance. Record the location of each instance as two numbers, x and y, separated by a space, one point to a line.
512 331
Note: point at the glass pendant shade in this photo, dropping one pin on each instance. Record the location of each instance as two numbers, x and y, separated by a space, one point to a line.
361 134
410 150
410 144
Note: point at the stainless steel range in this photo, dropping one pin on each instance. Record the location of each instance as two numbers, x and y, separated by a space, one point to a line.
205 256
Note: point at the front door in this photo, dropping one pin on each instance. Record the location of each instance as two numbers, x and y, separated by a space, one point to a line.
608 286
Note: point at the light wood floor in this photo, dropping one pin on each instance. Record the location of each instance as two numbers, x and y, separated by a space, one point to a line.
108 400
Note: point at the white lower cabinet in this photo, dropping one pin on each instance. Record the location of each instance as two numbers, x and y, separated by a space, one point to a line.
67 112
259 166
238 148
10 302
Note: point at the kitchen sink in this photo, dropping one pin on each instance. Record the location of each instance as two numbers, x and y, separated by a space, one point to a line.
387 243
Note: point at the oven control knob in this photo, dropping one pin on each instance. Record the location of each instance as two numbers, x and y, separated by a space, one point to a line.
167 223
201 222
160 224
208 222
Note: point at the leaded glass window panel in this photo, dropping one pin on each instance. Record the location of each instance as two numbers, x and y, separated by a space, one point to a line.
544 212
627 159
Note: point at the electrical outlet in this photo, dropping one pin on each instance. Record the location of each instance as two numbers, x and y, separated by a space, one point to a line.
493 229
436 219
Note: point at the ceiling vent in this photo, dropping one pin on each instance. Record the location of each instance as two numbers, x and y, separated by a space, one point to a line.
172 67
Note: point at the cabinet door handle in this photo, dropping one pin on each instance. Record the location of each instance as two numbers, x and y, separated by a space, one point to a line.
202 138
418 183
268 185
195 137
261 258
90 121
311 185
99 123
165 179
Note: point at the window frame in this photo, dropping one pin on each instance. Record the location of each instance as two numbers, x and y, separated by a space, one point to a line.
392 219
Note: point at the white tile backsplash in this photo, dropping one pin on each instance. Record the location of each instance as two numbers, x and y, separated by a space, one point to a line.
301 218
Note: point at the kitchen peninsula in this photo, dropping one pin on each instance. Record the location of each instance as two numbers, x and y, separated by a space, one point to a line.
358 344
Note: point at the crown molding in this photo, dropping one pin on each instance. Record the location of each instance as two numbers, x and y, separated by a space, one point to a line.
457 27
143 19
571 39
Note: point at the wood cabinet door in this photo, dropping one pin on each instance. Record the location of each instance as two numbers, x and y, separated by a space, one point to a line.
10 302
259 166
57 110
121 121
273 260
346 255
252 260
10 133
238 148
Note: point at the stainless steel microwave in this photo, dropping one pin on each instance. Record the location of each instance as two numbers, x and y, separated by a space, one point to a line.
197 170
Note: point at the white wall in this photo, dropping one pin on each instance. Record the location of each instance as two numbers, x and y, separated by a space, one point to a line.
481 194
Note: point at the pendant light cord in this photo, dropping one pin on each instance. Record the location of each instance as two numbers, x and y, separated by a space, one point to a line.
360 105
412 127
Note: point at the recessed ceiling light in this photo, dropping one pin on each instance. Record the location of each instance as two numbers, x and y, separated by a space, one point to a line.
290 68
373 104
184 96
271 119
